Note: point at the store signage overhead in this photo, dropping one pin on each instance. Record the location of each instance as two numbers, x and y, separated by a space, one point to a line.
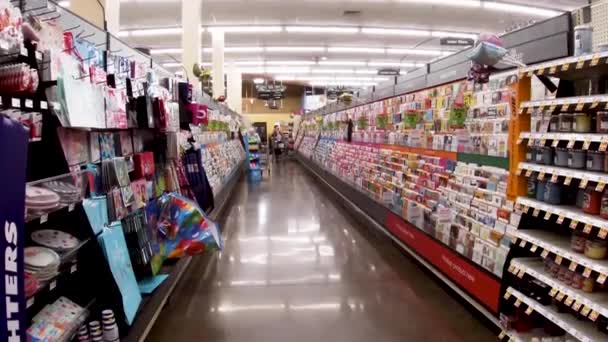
389 72
448 41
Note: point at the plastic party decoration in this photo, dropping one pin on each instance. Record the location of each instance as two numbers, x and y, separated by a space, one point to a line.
183 228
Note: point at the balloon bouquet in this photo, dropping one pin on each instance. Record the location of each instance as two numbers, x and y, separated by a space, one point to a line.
488 52
181 227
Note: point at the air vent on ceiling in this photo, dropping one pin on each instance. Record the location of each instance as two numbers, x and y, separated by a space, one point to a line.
351 13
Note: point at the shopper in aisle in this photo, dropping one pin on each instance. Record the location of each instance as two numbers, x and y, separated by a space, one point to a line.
276 142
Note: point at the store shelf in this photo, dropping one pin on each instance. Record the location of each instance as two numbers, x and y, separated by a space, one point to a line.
585 331
565 211
560 246
598 177
514 336
567 104
535 267
569 67
591 137
484 160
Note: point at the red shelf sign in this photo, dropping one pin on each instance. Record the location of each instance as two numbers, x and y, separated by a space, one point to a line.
482 286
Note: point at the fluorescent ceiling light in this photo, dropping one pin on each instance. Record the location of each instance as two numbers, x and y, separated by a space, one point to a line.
250 63
172 65
295 49
244 49
345 83
520 9
165 51
206 64
345 63
287 70
442 34
355 50
64 4
414 52
366 71
322 29
454 3
285 78
245 29
258 80
396 32
332 71
290 63
155 32
395 64
342 79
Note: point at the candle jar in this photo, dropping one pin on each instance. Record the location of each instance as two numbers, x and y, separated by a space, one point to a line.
591 201
576 158
561 157
546 155
595 160
581 123
540 190
554 123
602 122
577 242
531 154
553 193
595 249
566 122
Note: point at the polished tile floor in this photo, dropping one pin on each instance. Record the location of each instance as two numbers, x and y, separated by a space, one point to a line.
296 268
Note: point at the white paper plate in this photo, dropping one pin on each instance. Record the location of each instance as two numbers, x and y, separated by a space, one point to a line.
54 239
41 257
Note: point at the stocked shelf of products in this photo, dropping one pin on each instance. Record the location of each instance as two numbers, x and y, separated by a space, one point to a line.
568 104
538 138
569 67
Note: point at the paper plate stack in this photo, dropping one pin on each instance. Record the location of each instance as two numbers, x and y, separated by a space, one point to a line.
40 199
55 239
67 192
41 262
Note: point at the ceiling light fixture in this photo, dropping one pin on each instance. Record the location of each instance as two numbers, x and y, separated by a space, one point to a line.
396 32
346 83
520 9
454 3
396 64
64 4
258 80
250 63
321 29
155 32
244 49
442 34
290 63
356 50
332 71
295 49
165 51
172 65
414 52
342 63
245 29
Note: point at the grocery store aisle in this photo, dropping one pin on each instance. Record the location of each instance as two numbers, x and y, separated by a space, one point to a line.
296 268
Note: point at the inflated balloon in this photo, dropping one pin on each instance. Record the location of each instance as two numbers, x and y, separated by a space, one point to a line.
183 228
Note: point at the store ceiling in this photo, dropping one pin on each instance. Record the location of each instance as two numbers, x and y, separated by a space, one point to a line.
427 15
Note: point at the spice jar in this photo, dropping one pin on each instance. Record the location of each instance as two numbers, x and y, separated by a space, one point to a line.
582 123
561 157
566 122
604 205
577 242
576 158
601 122
591 201
595 249
588 285
595 160
553 193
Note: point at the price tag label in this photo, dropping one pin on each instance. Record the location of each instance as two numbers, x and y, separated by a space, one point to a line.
544 254
558 259
587 228
507 295
529 310
536 212
52 285
517 303
565 67
501 335
594 315
569 301
518 172
553 69
554 178
601 279
602 233
530 142
580 64
577 305
29 103
595 61
522 243
44 218
521 273
560 219
580 106
519 141
585 311
15 103
29 302
594 104
533 248
528 173
553 292
541 175
587 272
44 105
74 268
586 144
514 239
600 186
540 71
573 224
554 143
583 183
543 142
568 180
572 266
603 146
547 216
571 144
552 108
560 296
71 207
511 269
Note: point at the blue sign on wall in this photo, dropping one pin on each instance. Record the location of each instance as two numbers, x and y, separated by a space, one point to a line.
13 159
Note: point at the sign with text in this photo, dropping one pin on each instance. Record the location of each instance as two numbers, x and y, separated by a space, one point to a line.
449 41
481 285
13 158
